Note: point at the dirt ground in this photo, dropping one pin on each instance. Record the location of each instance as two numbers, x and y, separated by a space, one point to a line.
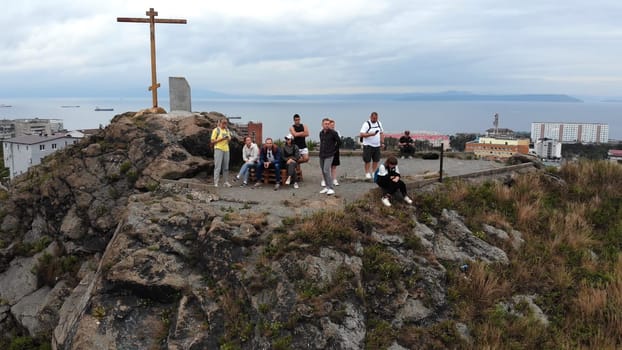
352 185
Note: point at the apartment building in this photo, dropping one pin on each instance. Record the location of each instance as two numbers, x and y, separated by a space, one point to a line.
570 132
10 128
22 152
497 147
548 149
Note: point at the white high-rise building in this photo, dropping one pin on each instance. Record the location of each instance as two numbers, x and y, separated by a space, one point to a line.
548 149
570 132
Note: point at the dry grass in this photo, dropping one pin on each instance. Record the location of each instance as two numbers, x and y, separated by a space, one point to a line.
482 287
457 191
499 220
527 215
570 230
528 188
591 301
572 234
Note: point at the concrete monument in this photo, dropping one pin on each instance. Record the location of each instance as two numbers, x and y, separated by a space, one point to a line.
179 94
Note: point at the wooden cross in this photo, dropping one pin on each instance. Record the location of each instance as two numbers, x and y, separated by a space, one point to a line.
152 21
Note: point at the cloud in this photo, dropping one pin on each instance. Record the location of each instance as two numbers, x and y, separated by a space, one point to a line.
317 46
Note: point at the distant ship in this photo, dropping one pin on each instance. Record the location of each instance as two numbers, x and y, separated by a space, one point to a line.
5 106
98 109
69 106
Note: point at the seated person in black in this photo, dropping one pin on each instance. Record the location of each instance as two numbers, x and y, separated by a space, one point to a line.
406 144
390 181
290 156
269 157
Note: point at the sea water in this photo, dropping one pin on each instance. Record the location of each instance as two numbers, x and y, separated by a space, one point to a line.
445 117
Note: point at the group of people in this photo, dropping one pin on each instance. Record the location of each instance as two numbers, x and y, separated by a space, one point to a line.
294 152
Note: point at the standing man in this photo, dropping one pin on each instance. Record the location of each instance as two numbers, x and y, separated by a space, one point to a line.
372 136
336 161
220 141
300 131
329 143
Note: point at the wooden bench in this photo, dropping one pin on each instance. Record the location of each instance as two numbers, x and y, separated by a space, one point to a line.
269 176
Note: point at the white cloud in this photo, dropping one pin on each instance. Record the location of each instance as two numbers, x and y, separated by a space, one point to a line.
318 46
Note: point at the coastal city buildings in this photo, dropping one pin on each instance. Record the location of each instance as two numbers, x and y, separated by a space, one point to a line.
435 139
570 132
497 146
22 152
252 129
548 149
33 126
615 155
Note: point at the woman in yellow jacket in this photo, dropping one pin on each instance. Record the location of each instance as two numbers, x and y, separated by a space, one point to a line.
220 140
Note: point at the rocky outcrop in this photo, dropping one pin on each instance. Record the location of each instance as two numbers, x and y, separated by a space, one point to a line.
157 264
455 242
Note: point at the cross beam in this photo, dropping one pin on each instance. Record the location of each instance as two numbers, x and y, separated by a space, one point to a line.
152 21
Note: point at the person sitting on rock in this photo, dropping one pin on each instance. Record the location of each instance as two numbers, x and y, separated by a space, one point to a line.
389 180
269 157
406 144
250 154
290 155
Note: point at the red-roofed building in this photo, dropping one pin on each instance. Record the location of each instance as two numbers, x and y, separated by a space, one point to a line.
615 155
436 140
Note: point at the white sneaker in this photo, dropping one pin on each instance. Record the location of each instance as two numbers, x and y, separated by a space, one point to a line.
335 182
330 191
408 200
295 184
325 190
215 185
367 175
289 179
323 184
227 184
385 201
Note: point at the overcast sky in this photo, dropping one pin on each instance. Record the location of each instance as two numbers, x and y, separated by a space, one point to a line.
77 48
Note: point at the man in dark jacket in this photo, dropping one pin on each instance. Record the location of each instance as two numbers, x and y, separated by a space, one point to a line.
269 157
407 148
329 143
290 157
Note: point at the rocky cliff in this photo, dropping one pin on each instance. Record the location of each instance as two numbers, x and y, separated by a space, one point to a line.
99 252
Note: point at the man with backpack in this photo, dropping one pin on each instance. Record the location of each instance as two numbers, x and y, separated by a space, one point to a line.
372 136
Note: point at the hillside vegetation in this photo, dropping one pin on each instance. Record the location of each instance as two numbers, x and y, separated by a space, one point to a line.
572 226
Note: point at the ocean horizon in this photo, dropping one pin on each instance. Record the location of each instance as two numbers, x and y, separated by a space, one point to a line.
443 117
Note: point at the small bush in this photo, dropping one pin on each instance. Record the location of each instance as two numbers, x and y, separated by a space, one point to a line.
125 166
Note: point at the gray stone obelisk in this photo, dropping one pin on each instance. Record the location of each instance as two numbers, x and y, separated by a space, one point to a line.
179 94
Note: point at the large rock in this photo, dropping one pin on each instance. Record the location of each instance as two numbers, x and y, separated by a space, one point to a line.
455 242
72 225
349 334
18 281
27 309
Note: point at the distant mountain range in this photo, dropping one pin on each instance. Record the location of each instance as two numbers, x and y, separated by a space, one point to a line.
437 96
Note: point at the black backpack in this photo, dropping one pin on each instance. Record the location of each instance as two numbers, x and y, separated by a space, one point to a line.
368 128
